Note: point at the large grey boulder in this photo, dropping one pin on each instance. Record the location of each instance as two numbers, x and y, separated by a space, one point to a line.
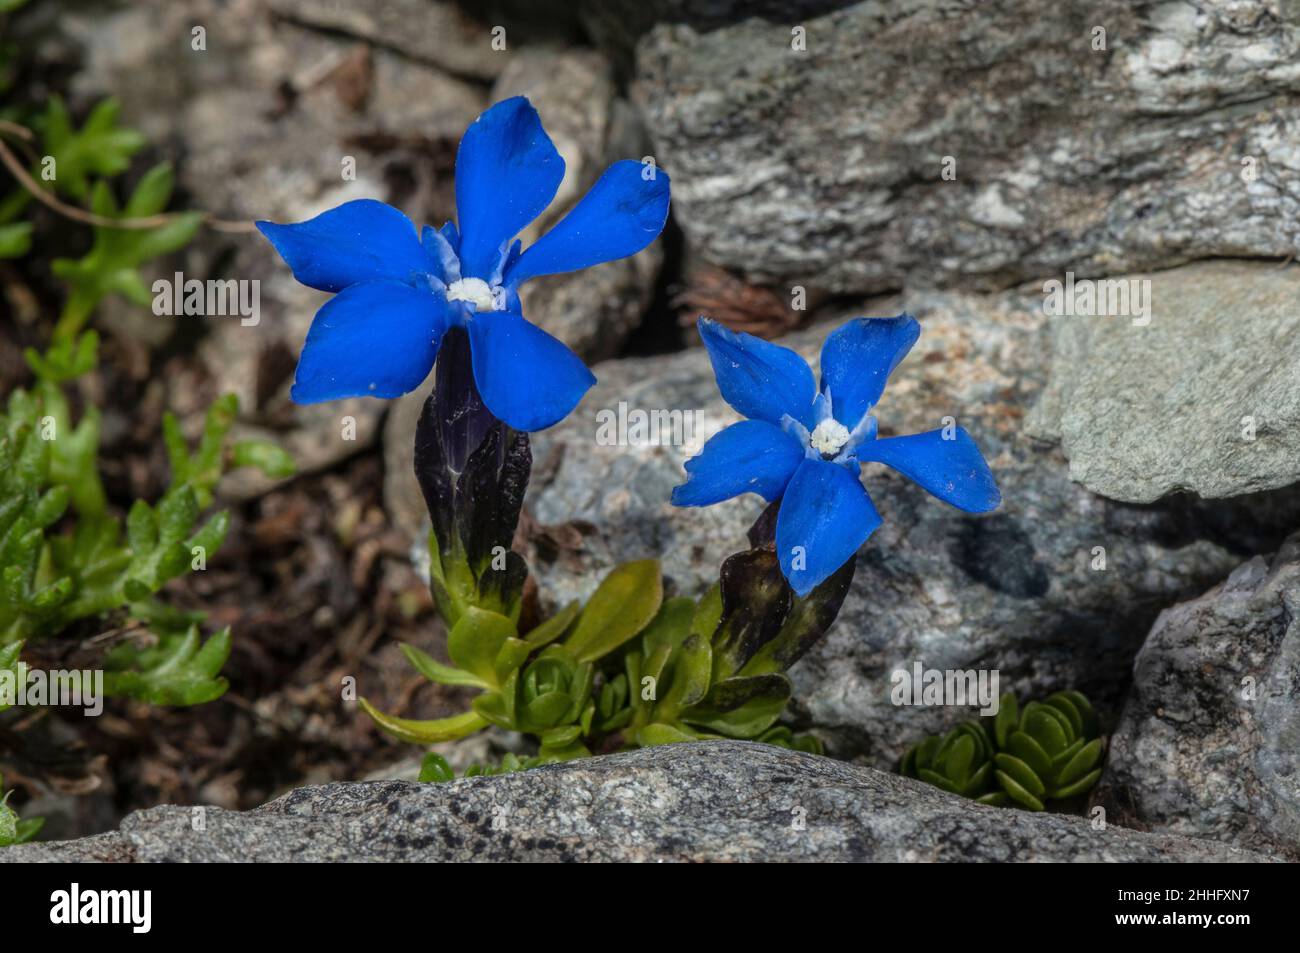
1201 394
1057 589
1209 743
823 164
712 801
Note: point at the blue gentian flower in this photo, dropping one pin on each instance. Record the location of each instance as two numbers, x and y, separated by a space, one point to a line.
804 445
398 291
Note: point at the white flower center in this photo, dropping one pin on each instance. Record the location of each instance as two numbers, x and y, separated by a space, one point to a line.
829 437
474 290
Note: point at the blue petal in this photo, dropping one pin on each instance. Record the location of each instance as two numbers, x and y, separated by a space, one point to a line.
622 214
373 339
748 457
953 470
762 380
857 360
825 517
507 172
527 378
363 240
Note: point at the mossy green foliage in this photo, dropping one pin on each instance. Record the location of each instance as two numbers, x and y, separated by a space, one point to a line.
69 565
65 558
1044 754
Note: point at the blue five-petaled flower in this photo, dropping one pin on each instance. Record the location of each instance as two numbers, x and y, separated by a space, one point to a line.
804 445
399 291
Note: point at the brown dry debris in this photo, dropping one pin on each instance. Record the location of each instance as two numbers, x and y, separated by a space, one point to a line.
741 307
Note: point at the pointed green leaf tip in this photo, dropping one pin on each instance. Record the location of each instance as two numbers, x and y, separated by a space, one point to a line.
435 769
424 732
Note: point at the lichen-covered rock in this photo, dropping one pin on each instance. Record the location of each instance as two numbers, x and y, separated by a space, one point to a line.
1056 589
1209 743
809 141
711 801
1202 393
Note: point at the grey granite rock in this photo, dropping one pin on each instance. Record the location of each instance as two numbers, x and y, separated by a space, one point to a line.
1209 743
1015 590
715 801
824 166
434 31
1205 397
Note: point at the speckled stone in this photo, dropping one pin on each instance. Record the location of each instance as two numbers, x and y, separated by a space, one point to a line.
1205 397
712 801
824 166
1209 744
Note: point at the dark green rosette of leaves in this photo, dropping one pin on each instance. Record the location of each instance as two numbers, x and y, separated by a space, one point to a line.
1043 755
1049 751
960 762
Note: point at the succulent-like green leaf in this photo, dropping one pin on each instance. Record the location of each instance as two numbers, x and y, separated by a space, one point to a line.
1017 792
434 769
1078 766
554 627
475 640
661 734
425 732
622 605
1080 786
689 675
436 671
670 625
1028 750
1007 719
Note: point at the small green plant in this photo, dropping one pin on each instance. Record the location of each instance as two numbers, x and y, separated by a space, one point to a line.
64 558
960 762
70 567
13 829
1047 753
632 667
